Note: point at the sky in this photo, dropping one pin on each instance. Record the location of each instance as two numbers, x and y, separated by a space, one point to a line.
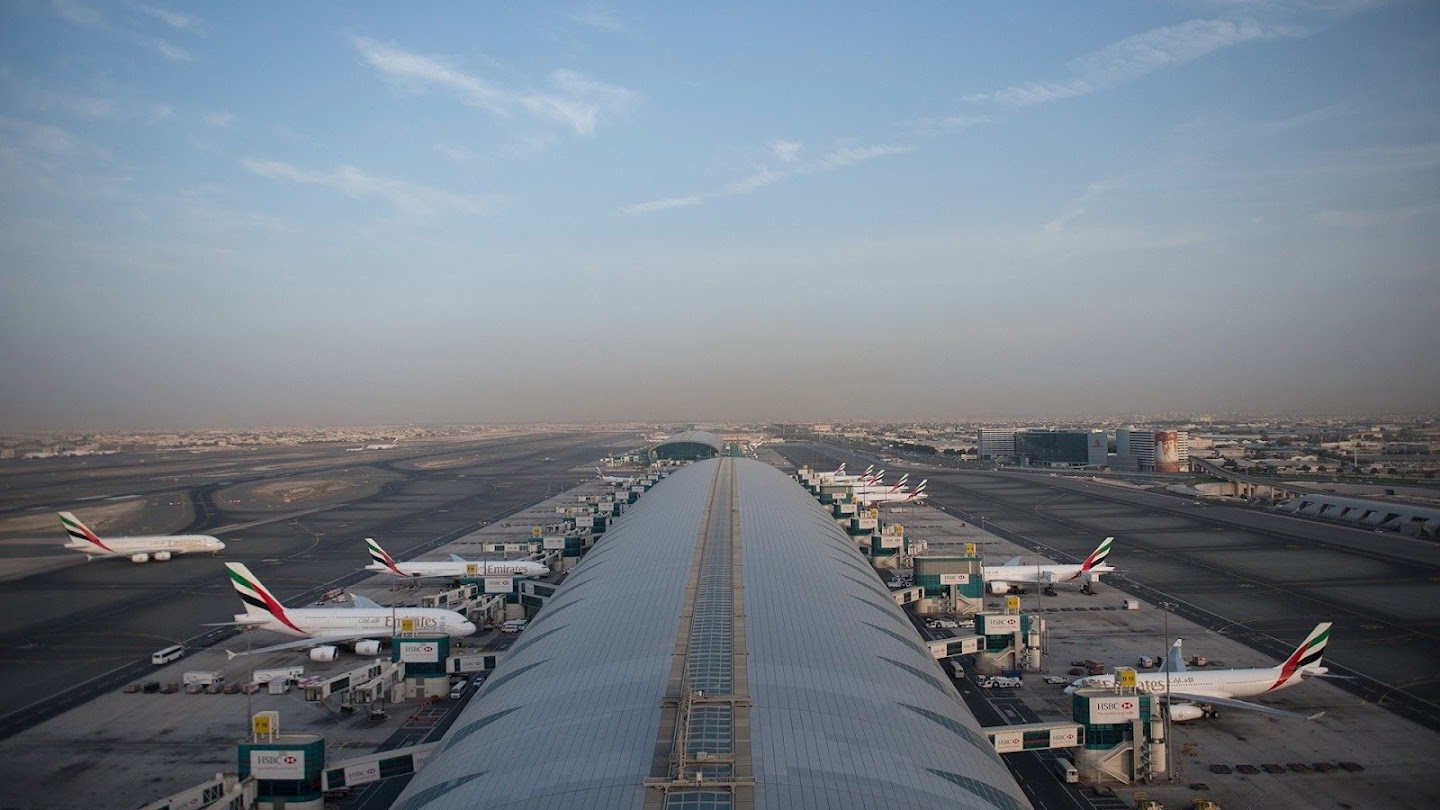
273 213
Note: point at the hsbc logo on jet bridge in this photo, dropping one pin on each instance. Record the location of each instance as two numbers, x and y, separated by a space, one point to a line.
1114 709
277 764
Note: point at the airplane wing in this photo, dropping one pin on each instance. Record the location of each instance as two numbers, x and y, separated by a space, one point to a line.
363 601
458 558
1012 561
1231 703
302 643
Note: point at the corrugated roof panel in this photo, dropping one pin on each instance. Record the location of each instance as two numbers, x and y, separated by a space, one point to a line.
830 660
586 707
847 710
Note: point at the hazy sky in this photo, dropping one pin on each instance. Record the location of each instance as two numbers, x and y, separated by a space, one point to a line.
272 213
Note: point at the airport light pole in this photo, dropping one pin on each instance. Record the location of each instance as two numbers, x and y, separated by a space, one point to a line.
1165 608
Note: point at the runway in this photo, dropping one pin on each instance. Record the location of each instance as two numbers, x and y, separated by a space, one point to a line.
1259 576
70 633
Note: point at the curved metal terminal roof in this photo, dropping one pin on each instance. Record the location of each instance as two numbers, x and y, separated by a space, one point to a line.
725 614
689 444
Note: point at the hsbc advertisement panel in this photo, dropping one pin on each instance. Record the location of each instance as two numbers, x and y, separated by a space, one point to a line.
1115 709
419 652
362 773
1064 737
499 585
277 764
995 624
954 579
1007 741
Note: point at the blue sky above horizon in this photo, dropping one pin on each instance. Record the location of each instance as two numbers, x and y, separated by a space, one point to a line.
329 213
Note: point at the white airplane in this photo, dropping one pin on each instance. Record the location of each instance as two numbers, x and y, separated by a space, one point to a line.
875 487
894 495
840 476
612 479
999 578
321 629
1192 695
453 568
138 549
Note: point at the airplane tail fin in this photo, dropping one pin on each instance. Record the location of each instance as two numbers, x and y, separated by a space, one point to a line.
259 602
1174 660
1097 557
80 535
899 485
1305 659
379 555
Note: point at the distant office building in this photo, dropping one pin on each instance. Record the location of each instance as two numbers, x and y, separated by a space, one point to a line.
1062 448
1150 450
995 443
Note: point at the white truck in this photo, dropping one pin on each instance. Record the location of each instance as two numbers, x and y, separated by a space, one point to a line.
202 678
1001 682
278 674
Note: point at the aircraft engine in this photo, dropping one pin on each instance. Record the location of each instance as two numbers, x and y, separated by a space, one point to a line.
1182 712
999 586
162 556
367 647
325 652
140 558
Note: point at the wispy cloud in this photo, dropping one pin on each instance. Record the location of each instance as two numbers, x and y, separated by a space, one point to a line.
174 19
358 184
581 101
662 204
574 100
78 13
763 175
172 52
1377 217
30 135
942 125
1137 56
849 156
1080 205
786 151
110 109
599 19
221 119
82 15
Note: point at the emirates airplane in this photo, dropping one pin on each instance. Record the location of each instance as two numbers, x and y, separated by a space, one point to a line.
1194 694
139 549
321 629
453 568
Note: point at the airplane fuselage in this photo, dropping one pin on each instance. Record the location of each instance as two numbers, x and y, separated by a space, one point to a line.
126 546
1038 574
1230 683
318 623
478 568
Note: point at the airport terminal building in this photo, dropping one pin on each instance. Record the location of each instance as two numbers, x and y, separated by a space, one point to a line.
724 646
692 445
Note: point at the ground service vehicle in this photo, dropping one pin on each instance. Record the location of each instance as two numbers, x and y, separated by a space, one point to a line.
167 655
